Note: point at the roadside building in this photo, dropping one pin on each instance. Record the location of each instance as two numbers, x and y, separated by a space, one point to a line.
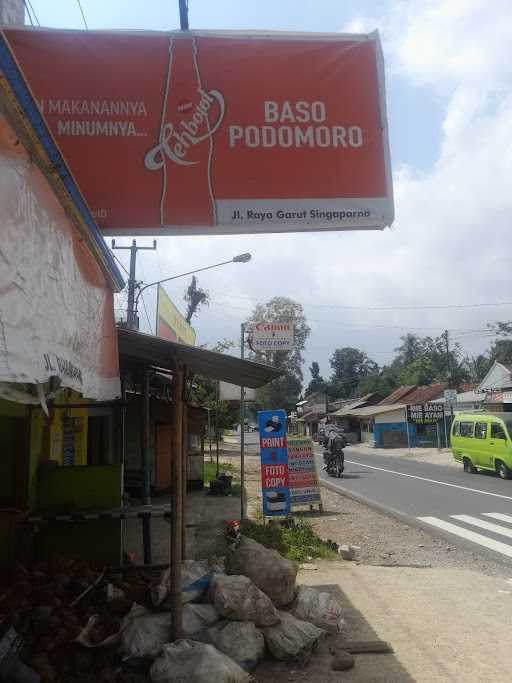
496 387
58 349
345 419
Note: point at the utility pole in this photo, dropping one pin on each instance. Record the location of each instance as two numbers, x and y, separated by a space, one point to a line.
450 379
242 429
183 14
326 408
131 319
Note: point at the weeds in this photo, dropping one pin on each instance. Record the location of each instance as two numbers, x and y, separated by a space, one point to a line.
294 539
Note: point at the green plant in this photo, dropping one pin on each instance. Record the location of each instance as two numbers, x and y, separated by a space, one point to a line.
294 539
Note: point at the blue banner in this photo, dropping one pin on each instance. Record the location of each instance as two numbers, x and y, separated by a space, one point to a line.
274 463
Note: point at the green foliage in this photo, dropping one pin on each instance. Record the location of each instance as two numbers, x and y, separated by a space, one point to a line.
350 366
317 382
284 391
210 470
293 539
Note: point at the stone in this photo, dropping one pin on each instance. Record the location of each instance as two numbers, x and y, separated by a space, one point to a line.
342 661
348 552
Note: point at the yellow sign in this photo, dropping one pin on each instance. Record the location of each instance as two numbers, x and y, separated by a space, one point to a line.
170 324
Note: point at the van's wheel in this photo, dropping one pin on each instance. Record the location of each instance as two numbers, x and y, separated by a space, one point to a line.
468 466
502 470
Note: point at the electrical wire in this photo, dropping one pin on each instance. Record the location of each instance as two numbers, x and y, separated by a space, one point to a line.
386 308
122 266
28 12
82 13
146 312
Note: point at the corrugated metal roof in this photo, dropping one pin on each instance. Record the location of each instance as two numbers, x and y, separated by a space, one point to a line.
143 348
425 393
397 395
370 411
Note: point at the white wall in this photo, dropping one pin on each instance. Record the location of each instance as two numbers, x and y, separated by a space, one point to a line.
12 12
393 416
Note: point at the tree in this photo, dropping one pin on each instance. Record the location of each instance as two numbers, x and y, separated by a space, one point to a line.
501 349
284 391
350 366
317 382
410 349
195 297
477 366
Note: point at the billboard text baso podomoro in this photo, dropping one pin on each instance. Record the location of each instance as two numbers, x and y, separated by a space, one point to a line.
211 133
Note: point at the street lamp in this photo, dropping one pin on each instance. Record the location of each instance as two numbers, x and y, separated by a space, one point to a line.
241 258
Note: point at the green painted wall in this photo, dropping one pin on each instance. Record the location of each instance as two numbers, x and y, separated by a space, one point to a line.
95 487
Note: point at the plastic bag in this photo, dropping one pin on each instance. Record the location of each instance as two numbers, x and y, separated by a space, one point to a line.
271 572
84 637
187 660
143 633
197 617
291 638
195 579
237 598
242 642
319 608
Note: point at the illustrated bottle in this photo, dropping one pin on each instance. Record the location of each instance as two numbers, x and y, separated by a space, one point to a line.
184 154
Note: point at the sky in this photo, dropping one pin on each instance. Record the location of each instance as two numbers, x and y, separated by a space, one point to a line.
445 263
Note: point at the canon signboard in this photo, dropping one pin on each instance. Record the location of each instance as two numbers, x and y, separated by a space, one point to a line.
211 133
272 337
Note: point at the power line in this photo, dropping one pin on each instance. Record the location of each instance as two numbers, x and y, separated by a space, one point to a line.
27 8
146 312
83 15
122 266
387 308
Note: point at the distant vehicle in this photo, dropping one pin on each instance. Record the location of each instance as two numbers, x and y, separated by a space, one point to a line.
482 441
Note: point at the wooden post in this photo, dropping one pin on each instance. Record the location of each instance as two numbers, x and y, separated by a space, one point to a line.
176 550
146 474
184 452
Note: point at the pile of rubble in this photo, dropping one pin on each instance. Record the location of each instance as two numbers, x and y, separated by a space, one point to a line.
83 625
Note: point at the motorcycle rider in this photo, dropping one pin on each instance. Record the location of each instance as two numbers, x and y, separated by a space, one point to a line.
335 446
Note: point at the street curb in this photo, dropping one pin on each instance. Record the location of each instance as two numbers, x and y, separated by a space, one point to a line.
416 523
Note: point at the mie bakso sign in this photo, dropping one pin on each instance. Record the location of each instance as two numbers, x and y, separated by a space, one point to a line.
209 133
425 413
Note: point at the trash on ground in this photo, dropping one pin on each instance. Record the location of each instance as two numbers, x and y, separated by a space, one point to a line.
237 598
242 642
270 571
292 639
319 608
193 662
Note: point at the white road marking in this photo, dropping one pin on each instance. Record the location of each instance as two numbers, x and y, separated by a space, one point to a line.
431 481
482 524
498 515
497 546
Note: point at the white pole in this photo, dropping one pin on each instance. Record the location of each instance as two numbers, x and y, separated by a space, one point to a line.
445 430
242 428
438 437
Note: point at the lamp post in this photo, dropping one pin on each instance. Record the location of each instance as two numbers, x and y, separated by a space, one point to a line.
132 315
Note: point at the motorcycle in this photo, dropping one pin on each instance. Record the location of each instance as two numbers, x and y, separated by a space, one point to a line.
335 464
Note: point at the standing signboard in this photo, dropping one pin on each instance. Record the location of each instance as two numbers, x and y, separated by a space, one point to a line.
214 133
170 324
275 489
450 397
272 336
425 413
304 486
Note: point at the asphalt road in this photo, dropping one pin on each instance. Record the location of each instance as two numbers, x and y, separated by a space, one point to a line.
472 510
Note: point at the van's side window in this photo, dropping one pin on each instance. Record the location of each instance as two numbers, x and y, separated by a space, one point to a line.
481 430
466 429
497 431
456 428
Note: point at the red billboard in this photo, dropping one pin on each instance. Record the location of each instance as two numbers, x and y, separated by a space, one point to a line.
212 133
